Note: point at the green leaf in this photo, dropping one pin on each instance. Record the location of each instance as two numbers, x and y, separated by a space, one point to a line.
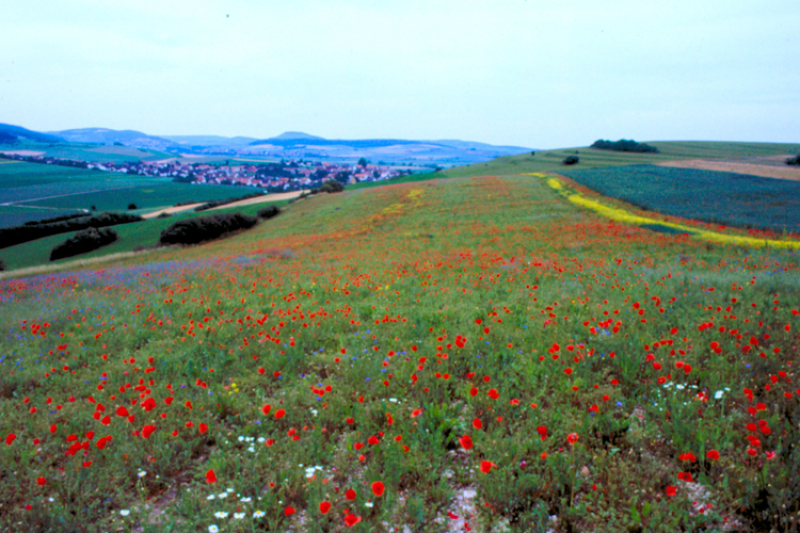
646 509
635 516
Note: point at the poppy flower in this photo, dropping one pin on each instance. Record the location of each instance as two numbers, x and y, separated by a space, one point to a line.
10 438
350 520
41 481
477 424
378 488
211 477
466 442
350 494
713 455
324 507
671 490
266 409
280 413
572 438
289 511
203 428
486 466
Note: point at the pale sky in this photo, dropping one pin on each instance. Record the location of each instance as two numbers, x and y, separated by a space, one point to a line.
529 73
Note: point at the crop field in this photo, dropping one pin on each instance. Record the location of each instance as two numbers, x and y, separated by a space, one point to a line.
719 197
473 354
45 190
132 237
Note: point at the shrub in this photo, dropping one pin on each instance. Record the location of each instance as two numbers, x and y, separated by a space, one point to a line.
268 212
624 145
793 160
570 160
196 230
84 241
331 186
132 206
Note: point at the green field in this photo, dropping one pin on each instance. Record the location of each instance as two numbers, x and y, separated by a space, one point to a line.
45 190
134 236
550 160
718 197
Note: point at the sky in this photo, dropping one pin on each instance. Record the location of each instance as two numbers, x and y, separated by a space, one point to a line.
510 72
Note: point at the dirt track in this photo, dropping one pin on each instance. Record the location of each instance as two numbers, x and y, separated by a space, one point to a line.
766 171
257 200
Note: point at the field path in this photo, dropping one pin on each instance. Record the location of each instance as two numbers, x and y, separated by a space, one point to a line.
260 199
171 210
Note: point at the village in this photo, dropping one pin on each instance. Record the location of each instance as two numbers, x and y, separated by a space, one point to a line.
273 176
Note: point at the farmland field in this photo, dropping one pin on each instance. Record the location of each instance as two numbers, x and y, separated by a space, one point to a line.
44 190
711 196
473 353
132 237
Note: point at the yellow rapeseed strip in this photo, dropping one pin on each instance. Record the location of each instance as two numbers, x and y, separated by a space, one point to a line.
621 215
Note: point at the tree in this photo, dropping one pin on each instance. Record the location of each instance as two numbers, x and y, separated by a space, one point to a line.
363 162
132 206
570 160
793 160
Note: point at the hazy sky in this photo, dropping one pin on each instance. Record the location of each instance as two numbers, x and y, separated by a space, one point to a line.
531 73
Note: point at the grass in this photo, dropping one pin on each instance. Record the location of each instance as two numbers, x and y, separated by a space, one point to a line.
358 337
132 237
550 160
42 190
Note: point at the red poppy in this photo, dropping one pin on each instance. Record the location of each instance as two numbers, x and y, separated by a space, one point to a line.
477 424
10 438
350 494
280 413
572 438
203 428
542 431
486 466
671 491
289 511
266 408
121 411
211 477
350 520
466 442
41 481
147 431
713 455
378 488
324 507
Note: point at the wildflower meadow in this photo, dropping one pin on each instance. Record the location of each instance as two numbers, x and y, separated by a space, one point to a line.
471 354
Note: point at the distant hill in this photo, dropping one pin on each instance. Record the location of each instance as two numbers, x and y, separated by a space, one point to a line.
20 132
208 140
287 145
108 136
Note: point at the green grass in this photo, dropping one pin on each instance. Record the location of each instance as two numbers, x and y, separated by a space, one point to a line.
132 237
388 323
550 160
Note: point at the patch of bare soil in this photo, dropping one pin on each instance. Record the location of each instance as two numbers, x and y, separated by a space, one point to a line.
261 199
172 210
767 170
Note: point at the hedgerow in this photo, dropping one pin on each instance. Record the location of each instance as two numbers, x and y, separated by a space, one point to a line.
83 242
196 230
